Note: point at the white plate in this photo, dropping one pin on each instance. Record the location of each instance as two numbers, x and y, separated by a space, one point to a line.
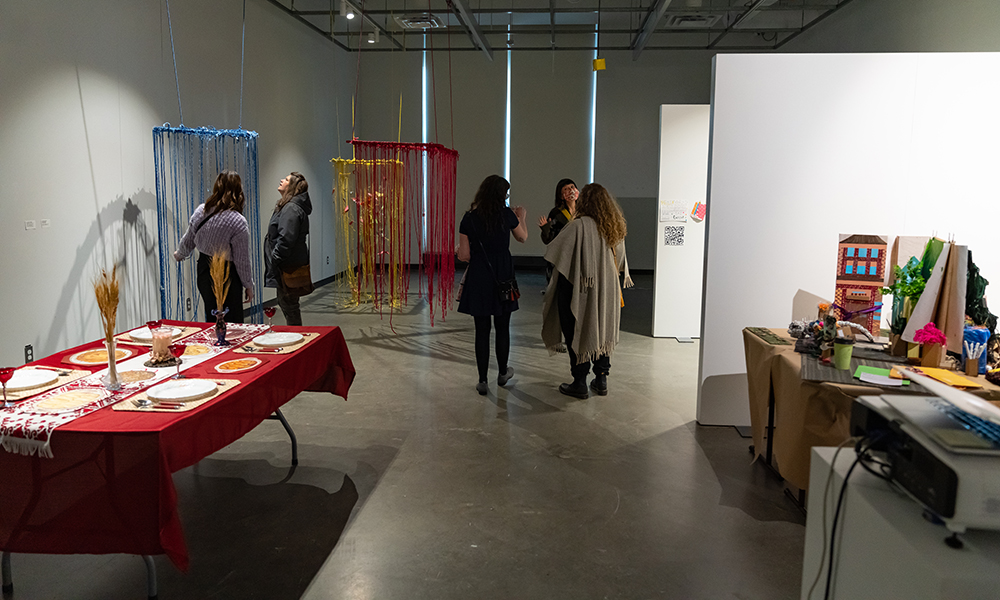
29 379
277 339
238 365
143 334
99 356
182 390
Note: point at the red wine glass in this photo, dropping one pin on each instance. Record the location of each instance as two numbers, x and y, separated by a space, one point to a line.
5 374
269 311
177 350
152 325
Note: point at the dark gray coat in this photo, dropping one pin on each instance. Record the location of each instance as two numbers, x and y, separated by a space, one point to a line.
285 246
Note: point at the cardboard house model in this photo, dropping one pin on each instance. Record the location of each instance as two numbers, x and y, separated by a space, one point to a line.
860 271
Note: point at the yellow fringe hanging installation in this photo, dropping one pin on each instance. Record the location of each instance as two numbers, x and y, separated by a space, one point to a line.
380 226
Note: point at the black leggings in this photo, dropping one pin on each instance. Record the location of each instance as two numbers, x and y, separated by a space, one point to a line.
502 324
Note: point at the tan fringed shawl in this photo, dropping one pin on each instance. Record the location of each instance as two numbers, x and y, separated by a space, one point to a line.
580 255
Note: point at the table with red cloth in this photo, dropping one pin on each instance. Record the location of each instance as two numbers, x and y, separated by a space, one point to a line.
109 488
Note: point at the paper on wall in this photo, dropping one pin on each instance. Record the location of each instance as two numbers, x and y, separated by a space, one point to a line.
672 211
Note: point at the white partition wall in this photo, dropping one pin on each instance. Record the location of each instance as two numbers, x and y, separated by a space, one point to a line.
680 239
805 147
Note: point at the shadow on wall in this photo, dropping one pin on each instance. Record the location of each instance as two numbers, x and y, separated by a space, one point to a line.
118 237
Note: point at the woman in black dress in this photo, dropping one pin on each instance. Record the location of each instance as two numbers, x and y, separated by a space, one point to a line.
484 242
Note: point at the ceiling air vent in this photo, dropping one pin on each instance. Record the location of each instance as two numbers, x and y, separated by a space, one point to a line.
420 21
691 20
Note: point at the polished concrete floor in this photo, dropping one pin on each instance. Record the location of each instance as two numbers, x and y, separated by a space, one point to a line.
419 488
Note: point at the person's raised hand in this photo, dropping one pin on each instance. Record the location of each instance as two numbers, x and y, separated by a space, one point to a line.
521 212
543 221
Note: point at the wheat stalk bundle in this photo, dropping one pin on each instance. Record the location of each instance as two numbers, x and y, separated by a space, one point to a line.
220 279
106 291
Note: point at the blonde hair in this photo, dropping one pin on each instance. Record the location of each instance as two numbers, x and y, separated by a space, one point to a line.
597 203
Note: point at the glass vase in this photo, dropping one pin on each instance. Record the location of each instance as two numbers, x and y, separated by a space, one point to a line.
111 381
220 327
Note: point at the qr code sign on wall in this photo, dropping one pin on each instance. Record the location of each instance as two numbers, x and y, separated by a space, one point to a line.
673 235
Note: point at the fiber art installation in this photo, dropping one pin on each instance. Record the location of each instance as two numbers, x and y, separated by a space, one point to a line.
394 200
187 162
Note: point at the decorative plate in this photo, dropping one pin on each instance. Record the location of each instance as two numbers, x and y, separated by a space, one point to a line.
237 365
29 379
67 401
182 390
143 334
277 339
195 349
99 356
234 331
134 376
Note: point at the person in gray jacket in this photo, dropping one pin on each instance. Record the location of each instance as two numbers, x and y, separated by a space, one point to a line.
285 246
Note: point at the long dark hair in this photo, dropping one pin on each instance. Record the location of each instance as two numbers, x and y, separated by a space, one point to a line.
490 199
559 186
227 193
297 184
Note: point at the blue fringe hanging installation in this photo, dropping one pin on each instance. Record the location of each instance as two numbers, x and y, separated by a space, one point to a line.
187 161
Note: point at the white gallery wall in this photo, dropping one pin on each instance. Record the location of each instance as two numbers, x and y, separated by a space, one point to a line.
83 86
805 147
680 257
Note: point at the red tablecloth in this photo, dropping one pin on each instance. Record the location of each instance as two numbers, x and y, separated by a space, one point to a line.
109 488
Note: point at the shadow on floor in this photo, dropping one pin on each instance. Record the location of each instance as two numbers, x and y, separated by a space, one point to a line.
240 535
749 487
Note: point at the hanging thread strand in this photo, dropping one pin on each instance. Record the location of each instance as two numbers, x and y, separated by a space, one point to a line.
177 79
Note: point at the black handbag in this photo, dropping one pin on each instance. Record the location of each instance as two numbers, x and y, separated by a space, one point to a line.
506 290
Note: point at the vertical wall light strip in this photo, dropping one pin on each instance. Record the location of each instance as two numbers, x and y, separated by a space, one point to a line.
506 142
423 138
593 113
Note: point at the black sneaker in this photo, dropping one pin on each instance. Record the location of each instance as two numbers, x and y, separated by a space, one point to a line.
577 389
503 378
482 387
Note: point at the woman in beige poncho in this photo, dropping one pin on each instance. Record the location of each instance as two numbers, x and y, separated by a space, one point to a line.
583 303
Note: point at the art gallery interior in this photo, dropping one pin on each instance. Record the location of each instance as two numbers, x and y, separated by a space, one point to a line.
417 486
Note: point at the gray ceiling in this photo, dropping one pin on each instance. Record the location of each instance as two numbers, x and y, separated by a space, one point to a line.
532 25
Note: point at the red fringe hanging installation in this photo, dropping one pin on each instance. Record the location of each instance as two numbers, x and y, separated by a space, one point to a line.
390 222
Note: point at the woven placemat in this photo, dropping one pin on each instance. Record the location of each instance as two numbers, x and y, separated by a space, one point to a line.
185 331
769 336
129 405
64 376
252 348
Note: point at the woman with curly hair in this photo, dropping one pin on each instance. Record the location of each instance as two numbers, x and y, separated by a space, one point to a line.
583 303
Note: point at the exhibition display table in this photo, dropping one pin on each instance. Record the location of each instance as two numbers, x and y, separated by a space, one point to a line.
789 415
108 488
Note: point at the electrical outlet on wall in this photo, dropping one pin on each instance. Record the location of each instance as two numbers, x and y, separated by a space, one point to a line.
29 225
327 260
45 223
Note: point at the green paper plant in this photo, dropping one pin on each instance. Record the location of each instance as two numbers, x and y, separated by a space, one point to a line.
906 289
